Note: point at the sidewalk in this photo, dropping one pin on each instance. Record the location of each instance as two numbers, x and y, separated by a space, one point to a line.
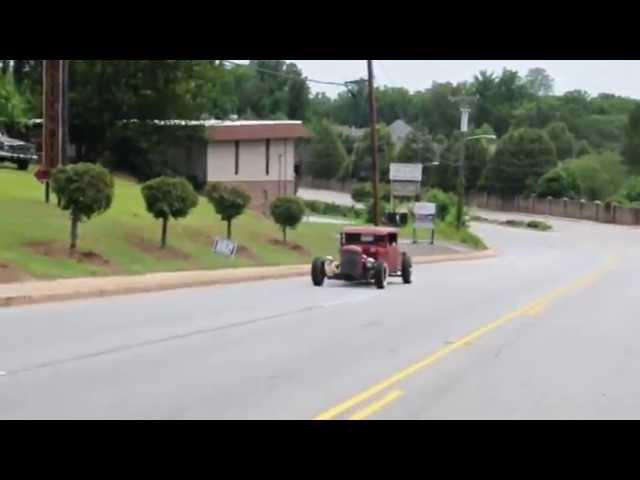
25 293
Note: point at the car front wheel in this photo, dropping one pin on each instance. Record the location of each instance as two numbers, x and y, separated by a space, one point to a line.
317 272
380 275
406 268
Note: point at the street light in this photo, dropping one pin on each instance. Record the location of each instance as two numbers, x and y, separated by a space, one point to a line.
491 137
459 209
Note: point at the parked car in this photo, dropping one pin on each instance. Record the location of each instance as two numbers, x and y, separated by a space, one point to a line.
367 254
16 151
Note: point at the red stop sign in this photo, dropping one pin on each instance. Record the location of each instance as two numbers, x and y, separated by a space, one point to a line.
42 175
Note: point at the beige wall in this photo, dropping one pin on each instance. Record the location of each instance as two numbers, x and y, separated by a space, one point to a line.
557 207
252 161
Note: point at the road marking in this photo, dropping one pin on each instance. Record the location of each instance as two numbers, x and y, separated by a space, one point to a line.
375 406
411 370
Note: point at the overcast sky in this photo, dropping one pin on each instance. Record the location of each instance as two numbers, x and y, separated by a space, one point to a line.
621 77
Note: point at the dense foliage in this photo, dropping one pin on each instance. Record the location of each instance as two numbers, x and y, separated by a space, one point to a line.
112 101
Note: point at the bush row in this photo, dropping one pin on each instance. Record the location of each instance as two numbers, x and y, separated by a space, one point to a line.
86 190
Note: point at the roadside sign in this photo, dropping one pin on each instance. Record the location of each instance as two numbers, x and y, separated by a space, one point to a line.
42 175
223 246
405 172
405 189
425 214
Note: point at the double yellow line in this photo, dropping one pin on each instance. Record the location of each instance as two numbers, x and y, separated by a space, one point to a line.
533 308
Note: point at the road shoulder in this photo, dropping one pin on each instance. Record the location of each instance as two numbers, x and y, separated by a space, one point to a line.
34 292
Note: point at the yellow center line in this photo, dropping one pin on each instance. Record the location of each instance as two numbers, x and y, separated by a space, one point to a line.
411 370
375 406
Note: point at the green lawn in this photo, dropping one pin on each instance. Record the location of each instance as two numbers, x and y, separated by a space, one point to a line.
34 236
448 233
128 237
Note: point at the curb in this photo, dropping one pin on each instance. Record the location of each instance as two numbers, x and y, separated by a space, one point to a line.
173 280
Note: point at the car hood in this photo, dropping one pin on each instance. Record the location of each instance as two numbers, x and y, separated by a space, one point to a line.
11 141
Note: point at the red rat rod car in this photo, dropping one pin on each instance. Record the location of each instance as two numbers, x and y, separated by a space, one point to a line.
367 254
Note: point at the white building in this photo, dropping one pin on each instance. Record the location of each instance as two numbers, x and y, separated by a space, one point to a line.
258 156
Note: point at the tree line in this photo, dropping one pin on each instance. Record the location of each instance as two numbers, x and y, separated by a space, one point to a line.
537 130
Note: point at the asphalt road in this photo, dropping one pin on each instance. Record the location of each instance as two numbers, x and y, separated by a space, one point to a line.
548 329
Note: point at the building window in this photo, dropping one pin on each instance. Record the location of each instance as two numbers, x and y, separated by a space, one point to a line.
267 155
237 157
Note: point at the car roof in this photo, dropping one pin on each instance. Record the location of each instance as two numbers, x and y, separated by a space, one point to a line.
370 230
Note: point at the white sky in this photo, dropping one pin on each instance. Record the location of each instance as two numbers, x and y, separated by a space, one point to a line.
621 77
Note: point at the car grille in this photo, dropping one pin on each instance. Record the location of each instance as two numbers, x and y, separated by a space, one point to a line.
21 149
350 263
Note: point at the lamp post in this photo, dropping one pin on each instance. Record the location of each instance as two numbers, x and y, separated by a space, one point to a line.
464 103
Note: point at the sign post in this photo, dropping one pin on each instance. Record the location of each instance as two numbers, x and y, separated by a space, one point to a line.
405 180
425 213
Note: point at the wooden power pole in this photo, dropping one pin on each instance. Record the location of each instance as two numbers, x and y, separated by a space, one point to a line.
54 73
375 171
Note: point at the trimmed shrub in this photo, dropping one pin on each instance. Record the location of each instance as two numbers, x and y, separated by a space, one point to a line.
85 190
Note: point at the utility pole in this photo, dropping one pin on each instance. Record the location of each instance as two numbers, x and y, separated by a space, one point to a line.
464 103
375 174
54 73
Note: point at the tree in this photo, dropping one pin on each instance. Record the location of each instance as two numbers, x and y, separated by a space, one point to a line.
361 193
499 98
103 94
539 81
287 212
631 191
477 154
631 149
84 190
561 182
522 156
328 155
168 197
393 103
418 147
362 154
562 139
12 104
447 172
228 202
583 148
601 175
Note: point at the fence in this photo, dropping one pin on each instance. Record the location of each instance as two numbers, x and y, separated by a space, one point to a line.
557 207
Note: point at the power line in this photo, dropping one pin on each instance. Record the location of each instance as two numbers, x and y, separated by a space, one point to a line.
310 80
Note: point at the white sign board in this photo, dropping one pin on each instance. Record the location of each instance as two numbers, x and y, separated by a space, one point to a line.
425 214
225 247
405 172
405 189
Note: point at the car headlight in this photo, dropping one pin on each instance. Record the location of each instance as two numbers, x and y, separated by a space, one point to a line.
370 262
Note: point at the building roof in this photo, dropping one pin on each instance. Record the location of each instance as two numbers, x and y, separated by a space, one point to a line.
232 130
399 130
256 130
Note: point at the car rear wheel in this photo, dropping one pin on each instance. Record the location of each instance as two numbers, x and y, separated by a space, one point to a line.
406 268
380 275
22 164
317 272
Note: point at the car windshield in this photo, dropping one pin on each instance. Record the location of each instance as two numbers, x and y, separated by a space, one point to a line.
366 238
